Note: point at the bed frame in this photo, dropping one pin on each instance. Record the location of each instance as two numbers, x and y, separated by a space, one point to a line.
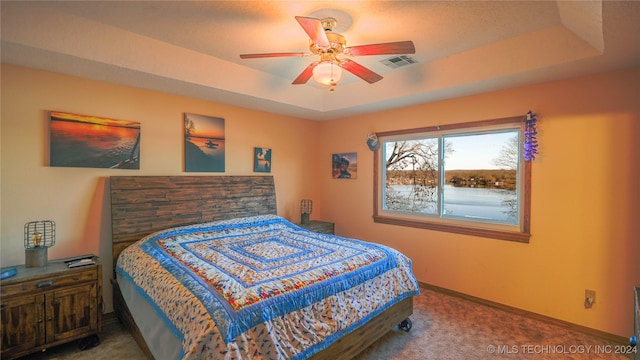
141 205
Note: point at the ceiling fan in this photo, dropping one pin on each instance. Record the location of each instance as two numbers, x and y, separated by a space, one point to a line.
329 46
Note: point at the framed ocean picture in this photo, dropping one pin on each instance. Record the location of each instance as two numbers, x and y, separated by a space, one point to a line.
93 142
204 143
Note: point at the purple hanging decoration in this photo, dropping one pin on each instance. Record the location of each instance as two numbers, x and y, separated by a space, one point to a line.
530 142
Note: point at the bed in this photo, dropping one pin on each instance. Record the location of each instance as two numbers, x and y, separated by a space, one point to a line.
205 268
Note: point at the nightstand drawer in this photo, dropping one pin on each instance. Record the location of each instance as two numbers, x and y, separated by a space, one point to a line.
48 283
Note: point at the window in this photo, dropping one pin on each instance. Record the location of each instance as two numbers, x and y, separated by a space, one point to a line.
464 178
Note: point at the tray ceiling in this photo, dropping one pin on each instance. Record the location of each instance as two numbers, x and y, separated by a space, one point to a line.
192 48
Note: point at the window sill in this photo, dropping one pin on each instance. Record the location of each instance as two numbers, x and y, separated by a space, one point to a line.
522 237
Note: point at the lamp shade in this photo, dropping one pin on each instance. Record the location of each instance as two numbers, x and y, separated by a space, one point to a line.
39 234
327 73
306 206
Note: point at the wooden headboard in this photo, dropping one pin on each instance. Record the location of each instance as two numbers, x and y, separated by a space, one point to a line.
141 205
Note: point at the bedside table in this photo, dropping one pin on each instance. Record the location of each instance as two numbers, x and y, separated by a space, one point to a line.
319 226
50 305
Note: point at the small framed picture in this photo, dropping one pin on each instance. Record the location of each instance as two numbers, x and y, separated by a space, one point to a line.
261 159
344 166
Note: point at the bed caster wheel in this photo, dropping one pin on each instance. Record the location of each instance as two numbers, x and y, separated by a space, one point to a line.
89 342
405 325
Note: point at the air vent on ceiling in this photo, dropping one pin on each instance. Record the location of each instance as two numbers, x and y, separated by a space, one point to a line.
398 61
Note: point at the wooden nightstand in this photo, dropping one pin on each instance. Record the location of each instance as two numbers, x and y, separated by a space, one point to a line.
50 305
319 226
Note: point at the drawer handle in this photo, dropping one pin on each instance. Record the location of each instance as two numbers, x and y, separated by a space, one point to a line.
44 283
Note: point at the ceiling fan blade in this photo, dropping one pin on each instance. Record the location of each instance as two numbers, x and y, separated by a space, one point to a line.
313 28
400 47
360 71
306 74
269 55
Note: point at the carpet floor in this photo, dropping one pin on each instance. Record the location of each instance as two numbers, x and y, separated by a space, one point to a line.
444 327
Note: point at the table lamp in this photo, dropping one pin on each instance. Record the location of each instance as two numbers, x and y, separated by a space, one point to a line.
306 206
38 237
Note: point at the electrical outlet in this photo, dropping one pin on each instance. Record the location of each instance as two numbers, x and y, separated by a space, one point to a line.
589 298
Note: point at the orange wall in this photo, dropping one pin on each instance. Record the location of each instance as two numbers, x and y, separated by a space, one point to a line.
585 233
77 199
585 201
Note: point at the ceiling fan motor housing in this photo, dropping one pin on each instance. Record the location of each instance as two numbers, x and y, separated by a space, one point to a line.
337 44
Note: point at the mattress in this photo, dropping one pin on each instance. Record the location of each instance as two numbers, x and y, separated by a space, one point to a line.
256 287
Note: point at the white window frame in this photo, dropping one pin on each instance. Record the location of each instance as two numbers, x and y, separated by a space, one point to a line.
518 233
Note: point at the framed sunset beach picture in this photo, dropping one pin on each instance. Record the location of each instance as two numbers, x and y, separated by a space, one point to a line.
93 142
204 143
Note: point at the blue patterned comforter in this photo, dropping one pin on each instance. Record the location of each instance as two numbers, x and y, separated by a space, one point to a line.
261 287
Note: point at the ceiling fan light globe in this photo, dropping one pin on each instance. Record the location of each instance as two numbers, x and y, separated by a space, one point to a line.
327 73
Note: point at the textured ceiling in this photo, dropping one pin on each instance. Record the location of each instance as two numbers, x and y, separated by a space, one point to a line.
192 48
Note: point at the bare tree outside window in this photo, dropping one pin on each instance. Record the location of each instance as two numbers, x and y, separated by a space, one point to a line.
508 160
412 175
509 155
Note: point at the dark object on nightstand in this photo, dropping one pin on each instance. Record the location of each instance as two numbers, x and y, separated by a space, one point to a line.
319 226
7 273
48 306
